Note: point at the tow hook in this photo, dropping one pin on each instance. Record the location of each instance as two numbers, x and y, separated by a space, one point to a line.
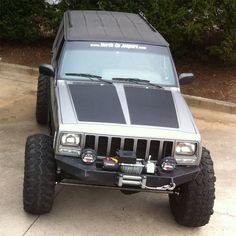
167 187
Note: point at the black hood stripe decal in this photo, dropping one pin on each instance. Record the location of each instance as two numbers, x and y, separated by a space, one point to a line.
142 106
97 103
154 107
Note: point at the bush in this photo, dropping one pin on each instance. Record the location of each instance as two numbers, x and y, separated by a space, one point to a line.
20 20
192 27
224 45
226 49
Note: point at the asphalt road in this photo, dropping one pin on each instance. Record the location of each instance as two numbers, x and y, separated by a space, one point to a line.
88 211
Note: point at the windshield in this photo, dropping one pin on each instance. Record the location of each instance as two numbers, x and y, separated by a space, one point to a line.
117 60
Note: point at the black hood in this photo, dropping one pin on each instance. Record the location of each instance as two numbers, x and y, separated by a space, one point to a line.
102 103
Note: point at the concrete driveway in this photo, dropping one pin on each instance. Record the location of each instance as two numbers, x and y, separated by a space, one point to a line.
88 211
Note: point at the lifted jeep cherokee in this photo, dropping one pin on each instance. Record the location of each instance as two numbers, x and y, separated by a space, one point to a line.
117 119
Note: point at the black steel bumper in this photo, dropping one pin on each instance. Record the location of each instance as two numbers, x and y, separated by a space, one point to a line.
95 175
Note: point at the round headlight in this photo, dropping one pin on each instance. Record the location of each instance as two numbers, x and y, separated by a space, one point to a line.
70 139
185 148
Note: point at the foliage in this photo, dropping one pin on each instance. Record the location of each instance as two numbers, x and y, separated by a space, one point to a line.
224 45
20 20
192 27
201 28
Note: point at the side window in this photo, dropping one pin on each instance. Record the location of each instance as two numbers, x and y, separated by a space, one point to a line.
60 29
59 48
57 53
57 45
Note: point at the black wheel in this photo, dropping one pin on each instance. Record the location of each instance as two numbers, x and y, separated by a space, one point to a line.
42 99
192 204
40 174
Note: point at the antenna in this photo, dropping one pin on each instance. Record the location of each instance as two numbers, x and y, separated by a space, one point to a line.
142 15
69 19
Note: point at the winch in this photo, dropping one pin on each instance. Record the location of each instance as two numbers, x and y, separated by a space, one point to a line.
133 170
126 162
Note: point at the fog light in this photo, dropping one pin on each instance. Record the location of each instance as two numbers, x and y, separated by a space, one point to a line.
168 164
88 156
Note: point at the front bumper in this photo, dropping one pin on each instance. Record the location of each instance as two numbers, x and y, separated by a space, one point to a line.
95 175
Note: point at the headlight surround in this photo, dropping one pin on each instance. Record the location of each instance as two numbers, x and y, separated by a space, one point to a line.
70 139
185 148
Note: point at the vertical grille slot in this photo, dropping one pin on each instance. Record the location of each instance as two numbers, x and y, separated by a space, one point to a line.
154 149
107 146
147 149
115 145
141 148
129 144
167 149
90 141
102 146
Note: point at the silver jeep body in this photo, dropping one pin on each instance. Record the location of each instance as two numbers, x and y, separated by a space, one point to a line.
117 120
68 121
147 118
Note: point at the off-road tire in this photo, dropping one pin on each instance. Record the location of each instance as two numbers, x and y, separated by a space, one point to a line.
192 204
42 99
40 174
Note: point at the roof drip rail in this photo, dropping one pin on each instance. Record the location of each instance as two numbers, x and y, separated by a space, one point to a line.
69 19
142 15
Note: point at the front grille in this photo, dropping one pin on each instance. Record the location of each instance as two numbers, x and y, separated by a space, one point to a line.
107 146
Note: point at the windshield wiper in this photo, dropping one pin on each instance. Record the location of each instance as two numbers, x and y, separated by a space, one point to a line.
90 76
137 81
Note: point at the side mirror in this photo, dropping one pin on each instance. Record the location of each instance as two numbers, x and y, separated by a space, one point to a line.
186 78
46 69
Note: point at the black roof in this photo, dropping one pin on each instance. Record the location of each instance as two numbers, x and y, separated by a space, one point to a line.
110 27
